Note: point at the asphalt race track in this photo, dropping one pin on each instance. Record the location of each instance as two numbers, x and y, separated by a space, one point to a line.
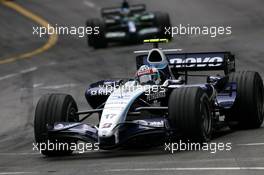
69 66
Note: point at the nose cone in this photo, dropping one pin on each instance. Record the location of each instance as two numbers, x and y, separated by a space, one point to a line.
105 133
107 138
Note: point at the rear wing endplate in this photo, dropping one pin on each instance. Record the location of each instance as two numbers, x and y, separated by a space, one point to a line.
137 8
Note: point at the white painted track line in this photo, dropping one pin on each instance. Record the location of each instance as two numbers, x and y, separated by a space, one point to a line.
90 4
186 169
12 173
19 73
251 144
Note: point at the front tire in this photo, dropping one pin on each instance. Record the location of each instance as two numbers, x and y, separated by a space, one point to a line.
247 111
190 113
53 108
97 40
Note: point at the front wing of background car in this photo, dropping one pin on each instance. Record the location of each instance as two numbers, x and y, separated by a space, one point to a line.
118 36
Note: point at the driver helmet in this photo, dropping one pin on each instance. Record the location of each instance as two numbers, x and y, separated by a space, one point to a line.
125 9
148 75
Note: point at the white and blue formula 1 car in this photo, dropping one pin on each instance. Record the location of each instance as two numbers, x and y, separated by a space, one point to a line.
158 105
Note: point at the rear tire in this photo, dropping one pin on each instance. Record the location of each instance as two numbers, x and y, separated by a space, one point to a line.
97 40
247 111
190 113
53 108
162 21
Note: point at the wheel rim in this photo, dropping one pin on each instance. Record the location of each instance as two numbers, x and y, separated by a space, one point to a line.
71 113
260 105
206 121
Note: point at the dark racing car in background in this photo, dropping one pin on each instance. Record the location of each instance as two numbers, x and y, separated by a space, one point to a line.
127 24
158 105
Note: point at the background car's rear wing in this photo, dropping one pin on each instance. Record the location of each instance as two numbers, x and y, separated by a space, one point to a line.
137 8
204 61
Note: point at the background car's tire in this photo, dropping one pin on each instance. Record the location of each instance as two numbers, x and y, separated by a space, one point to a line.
162 20
97 40
247 111
53 108
89 38
190 114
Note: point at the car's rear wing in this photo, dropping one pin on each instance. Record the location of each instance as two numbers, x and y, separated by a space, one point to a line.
137 8
204 61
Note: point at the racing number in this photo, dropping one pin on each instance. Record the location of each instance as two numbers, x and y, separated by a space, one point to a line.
110 116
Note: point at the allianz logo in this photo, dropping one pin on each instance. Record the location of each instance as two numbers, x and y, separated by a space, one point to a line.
153 124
